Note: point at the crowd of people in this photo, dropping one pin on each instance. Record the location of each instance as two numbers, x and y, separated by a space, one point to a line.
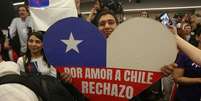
26 47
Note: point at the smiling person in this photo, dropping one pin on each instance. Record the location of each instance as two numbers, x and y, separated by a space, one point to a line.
34 60
106 22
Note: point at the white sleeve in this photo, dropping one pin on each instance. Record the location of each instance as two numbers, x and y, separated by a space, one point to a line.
13 28
20 62
9 67
30 23
53 72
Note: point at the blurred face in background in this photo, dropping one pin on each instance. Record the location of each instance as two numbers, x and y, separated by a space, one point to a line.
107 24
23 12
144 14
97 5
187 30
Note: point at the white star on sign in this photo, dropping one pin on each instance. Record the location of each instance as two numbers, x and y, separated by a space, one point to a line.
72 43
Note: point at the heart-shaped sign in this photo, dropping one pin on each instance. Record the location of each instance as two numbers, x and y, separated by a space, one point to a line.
113 70
141 43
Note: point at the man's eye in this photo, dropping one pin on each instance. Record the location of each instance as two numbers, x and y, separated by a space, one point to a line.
102 23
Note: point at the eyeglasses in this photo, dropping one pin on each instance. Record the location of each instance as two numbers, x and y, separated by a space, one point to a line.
104 22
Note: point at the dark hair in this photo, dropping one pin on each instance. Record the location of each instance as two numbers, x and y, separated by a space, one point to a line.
144 12
39 35
193 39
2 40
102 13
113 5
198 31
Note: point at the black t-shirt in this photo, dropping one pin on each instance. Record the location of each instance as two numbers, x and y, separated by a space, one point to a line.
153 93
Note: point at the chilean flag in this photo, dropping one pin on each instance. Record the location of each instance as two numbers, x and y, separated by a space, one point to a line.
47 12
75 42
38 3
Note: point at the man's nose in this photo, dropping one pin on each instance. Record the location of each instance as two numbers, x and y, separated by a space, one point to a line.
33 43
107 25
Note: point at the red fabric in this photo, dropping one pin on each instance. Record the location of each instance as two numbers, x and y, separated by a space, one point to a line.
14 56
174 88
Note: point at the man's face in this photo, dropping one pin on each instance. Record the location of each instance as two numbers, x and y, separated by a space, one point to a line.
107 24
187 30
23 13
144 14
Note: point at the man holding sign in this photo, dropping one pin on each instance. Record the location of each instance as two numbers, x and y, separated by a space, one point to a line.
107 22
83 53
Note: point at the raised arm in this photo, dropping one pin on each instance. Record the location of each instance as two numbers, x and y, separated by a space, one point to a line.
192 52
13 28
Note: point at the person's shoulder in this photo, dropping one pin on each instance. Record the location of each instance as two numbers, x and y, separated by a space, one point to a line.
4 63
9 67
182 59
20 59
16 19
11 62
182 55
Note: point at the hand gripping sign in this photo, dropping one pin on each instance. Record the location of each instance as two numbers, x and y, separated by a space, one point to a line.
113 70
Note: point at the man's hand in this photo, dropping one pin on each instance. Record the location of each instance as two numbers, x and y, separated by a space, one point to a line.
168 69
172 29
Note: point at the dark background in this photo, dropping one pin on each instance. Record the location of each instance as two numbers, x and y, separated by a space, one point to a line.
7 10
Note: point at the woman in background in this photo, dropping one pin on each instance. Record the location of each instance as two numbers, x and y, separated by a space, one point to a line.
34 60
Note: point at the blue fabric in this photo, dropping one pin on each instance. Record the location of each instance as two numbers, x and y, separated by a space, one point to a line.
38 3
92 49
191 69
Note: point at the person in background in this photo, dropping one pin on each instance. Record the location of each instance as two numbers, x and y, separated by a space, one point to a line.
195 25
144 14
186 31
34 60
188 76
13 91
20 27
4 46
191 51
96 9
77 3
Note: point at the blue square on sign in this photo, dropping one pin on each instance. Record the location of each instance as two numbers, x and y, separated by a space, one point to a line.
38 3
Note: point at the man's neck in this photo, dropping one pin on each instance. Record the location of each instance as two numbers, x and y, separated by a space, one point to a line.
36 55
23 18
